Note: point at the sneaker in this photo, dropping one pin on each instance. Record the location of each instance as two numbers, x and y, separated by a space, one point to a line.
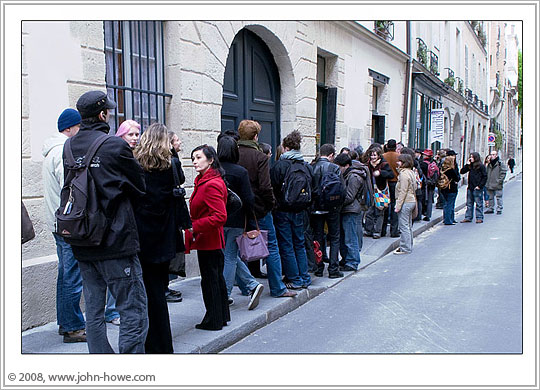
176 293
288 294
398 251
170 297
116 321
479 221
76 336
61 331
347 268
426 219
255 295
230 301
291 286
376 236
466 220
336 275
488 212
499 212
318 273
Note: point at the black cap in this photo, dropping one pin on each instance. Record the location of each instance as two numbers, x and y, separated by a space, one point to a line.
92 103
450 153
391 144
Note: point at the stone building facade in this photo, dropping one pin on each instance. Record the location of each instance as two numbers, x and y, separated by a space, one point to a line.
324 87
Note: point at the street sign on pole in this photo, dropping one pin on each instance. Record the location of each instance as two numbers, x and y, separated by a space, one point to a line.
491 139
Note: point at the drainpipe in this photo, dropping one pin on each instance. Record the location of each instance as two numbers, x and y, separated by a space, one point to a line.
408 84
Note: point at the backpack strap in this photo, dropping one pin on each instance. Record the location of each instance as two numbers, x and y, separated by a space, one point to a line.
69 154
93 149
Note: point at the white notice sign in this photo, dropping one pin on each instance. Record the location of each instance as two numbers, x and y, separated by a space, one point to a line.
437 125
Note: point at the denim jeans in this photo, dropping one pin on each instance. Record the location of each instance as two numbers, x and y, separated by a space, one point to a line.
360 227
273 261
350 252
233 266
110 308
492 194
290 235
374 221
474 196
405 227
68 288
449 203
332 220
123 277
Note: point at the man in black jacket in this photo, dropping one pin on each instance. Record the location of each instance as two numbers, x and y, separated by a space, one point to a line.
475 188
320 215
114 264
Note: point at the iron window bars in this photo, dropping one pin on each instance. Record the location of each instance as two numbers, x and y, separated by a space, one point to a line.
135 76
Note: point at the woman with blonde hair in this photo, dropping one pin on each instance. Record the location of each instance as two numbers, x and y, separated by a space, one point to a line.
405 202
158 233
129 131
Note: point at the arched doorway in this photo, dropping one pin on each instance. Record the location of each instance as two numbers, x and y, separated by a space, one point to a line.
251 87
455 143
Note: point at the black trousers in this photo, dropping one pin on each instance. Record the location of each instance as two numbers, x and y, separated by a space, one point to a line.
159 338
333 222
214 290
389 212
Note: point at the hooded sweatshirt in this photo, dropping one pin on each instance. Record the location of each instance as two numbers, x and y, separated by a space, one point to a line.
53 176
355 178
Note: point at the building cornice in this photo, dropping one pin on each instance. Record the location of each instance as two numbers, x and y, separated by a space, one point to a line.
369 36
478 41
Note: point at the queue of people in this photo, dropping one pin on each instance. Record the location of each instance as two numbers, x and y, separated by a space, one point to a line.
333 201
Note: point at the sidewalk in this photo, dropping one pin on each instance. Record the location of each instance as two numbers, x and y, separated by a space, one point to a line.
186 314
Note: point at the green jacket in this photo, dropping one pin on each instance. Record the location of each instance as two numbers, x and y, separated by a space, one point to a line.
495 175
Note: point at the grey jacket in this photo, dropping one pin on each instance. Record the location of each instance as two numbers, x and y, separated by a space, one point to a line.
355 178
496 173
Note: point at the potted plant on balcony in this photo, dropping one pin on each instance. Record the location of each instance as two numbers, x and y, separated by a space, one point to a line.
450 80
422 55
460 86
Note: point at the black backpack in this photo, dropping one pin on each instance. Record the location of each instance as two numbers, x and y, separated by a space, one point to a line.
296 188
79 219
365 193
332 190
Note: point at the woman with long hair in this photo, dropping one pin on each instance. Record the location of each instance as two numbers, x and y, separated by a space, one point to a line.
208 216
129 131
157 228
380 173
450 170
238 181
405 202
475 188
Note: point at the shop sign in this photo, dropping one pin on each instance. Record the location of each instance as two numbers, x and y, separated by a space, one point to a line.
437 125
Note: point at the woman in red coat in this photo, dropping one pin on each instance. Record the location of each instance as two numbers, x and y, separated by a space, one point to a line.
208 215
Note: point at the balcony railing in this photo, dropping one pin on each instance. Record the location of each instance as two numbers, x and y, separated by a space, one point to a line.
434 63
459 85
450 80
385 29
468 94
422 52
475 99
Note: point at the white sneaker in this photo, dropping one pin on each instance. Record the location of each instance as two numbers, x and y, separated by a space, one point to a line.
116 321
255 295
398 251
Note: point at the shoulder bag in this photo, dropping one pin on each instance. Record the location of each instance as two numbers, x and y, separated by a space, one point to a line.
253 245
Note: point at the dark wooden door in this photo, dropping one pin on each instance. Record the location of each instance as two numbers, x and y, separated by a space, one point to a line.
251 87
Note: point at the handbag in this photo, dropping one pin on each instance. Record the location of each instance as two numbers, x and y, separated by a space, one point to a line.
382 198
253 245
28 232
183 219
234 203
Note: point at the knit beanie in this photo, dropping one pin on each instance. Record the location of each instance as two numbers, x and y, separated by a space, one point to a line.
68 118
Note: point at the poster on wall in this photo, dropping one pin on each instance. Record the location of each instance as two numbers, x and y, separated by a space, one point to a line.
437 125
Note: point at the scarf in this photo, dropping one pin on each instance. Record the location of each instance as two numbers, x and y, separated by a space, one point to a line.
249 143
292 155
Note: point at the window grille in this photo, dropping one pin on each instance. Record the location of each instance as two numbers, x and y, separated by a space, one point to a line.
135 76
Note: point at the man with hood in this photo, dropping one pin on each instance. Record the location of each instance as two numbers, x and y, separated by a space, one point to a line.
351 212
496 172
290 170
69 282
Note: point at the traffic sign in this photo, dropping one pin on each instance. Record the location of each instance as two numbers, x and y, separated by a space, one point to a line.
491 139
